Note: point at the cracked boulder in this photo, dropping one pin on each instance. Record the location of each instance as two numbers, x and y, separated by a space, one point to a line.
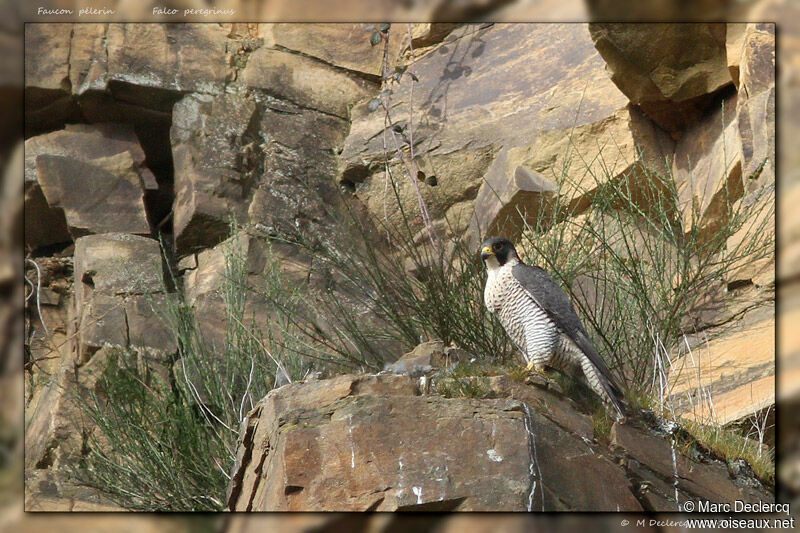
373 442
364 444
119 295
76 58
707 170
259 160
210 190
103 196
669 70
85 179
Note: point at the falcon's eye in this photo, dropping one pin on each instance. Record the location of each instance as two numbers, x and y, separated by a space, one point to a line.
497 246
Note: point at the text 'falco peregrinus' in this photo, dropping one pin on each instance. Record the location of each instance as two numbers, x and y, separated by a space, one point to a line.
539 318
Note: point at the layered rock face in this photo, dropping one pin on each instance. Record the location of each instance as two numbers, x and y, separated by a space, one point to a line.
374 443
725 152
139 135
500 119
143 135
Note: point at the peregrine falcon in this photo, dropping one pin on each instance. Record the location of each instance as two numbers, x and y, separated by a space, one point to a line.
539 318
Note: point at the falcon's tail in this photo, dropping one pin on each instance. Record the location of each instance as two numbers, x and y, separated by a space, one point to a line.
606 390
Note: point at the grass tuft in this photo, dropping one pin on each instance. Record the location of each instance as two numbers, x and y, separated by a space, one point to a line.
730 446
464 387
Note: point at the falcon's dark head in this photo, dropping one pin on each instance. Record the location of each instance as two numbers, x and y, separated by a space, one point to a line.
497 251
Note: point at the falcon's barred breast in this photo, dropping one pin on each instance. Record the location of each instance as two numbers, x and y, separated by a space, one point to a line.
539 318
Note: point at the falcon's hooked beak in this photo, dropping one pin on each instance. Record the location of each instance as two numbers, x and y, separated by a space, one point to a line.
486 252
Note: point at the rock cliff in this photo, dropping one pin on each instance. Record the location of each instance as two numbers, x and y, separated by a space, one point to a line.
375 443
139 135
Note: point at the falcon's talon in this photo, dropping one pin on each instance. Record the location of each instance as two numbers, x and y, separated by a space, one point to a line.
539 376
540 370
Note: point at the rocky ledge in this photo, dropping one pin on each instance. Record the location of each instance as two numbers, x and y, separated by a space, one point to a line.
376 442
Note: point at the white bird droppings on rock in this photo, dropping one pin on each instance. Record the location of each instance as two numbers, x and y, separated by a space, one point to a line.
494 456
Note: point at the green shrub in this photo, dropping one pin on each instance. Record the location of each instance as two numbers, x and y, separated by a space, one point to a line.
170 446
374 308
149 450
636 270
